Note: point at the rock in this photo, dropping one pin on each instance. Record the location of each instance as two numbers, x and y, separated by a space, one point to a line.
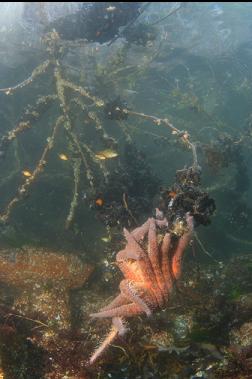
242 336
42 280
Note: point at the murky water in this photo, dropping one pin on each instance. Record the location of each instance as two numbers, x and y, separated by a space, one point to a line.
125 158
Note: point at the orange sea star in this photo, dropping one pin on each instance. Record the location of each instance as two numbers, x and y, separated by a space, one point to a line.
150 271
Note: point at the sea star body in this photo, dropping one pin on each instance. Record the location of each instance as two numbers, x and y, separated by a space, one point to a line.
150 269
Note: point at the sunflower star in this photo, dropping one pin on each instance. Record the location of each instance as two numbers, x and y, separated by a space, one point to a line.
150 271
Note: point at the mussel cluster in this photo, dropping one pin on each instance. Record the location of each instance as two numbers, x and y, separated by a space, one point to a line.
116 109
184 196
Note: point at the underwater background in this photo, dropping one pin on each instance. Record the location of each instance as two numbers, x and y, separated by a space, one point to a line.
103 108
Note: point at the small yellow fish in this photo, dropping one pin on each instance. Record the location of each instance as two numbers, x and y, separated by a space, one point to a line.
100 156
27 173
63 157
106 154
106 239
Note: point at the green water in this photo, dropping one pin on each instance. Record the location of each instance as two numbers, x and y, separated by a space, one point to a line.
185 62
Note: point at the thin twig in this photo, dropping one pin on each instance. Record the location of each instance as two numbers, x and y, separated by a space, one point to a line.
26 318
41 69
203 248
182 134
144 7
168 15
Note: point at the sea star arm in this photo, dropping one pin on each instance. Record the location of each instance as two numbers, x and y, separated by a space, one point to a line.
117 302
133 292
130 267
136 266
153 253
140 232
128 310
117 329
182 244
143 260
165 264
